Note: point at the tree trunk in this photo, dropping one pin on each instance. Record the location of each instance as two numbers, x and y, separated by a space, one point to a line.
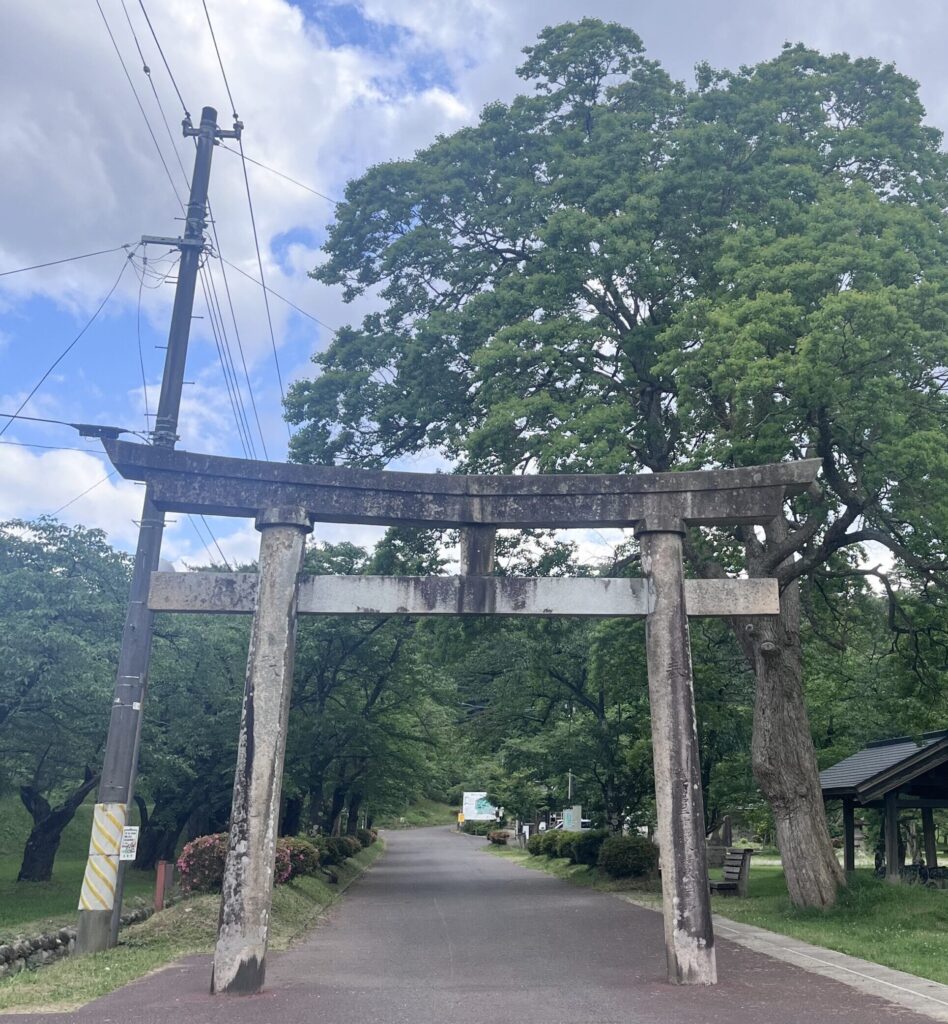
43 841
335 810
782 752
352 822
292 816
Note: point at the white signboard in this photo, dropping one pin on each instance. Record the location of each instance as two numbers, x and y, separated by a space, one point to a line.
573 818
129 845
476 807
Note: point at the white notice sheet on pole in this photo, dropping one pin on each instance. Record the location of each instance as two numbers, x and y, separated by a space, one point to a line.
129 846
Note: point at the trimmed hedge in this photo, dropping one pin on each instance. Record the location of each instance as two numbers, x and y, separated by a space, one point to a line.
366 837
535 844
565 843
587 844
631 856
550 841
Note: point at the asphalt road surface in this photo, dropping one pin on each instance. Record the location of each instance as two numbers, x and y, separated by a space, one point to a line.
440 931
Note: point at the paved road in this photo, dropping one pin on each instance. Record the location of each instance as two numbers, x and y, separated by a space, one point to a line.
440 931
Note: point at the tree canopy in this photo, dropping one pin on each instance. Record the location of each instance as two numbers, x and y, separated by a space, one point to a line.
615 273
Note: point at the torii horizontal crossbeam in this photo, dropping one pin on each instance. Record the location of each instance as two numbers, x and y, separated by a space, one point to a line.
187 482
235 593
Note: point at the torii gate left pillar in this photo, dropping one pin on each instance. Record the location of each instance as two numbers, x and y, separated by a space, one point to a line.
239 958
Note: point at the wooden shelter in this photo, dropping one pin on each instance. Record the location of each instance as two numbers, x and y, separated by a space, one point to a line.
897 774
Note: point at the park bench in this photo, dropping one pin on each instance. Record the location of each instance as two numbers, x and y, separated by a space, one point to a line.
736 871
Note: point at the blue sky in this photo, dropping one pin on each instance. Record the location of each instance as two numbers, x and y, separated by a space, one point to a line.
325 90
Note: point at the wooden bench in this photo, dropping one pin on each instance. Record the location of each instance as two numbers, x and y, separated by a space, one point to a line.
736 872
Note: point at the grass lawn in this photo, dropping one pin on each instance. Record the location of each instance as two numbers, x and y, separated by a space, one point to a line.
422 814
27 908
904 927
188 927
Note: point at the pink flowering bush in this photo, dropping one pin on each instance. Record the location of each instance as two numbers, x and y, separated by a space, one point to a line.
201 864
304 857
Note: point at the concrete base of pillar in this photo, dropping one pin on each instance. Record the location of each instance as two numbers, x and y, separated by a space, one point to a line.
94 931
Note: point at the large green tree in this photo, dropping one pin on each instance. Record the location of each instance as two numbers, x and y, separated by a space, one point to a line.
616 273
62 593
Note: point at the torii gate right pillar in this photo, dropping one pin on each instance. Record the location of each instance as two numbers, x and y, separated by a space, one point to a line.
689 937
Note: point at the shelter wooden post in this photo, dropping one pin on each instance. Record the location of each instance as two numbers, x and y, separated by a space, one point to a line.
849 836
893 862
689 937
239 959
928 829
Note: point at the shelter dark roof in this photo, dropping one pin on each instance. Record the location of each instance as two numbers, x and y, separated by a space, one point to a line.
883 765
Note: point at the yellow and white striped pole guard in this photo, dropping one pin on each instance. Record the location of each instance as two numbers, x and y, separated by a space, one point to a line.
98 883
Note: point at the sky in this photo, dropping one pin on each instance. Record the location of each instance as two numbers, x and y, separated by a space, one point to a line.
325 89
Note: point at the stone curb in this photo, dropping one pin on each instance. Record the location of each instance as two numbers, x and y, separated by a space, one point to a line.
926 997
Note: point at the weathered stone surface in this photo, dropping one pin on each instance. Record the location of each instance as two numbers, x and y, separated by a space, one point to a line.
689 936
187 482
235 593
239 958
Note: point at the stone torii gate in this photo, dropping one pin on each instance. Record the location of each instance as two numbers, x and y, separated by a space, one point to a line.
285 500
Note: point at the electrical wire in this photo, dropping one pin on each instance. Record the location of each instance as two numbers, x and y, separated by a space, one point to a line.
233 106
253 219
184 106
62 355
280 174
118 54
50 447
68 259
282 298
141 356
223 342
84 493
240 347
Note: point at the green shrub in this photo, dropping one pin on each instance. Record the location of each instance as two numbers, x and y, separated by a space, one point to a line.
337 849
587 844
550 842
366 837
478 828
631 856
535 844
304 855
498 837
354 845
565 842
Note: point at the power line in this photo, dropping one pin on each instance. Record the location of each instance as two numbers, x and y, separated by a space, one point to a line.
51 447
207 526
240 347
220 336
68 259
184 106
207 14
253 219
283 298
118 53
62 355
280 174
84 493
141 356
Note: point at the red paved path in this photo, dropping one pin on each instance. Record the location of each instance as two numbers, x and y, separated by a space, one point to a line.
439 931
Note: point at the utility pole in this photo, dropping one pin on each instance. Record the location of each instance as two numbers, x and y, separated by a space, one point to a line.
100 902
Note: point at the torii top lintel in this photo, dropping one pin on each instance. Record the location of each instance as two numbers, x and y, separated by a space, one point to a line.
184 481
